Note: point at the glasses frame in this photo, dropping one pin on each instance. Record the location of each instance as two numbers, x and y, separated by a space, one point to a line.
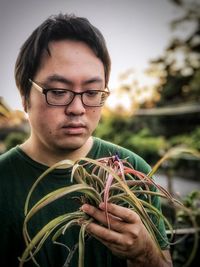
46 90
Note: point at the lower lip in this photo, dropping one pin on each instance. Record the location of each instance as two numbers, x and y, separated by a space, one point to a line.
74 130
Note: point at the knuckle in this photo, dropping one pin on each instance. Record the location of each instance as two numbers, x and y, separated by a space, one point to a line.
130 215
129 243
136 232
93 211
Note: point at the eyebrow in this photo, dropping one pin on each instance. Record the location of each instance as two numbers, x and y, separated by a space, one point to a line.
61 79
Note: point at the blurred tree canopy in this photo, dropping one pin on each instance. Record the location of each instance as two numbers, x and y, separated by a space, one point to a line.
179 66
177 75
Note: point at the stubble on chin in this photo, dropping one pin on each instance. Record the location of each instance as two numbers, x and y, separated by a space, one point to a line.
74 144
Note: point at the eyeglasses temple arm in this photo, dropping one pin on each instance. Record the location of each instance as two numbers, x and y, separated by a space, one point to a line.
39 88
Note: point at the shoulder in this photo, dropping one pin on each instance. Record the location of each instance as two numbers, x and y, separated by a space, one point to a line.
7 157
11 162
104 148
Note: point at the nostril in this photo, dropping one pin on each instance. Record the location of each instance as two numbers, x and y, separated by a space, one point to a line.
76 106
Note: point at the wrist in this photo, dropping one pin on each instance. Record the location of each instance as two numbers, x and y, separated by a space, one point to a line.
157 260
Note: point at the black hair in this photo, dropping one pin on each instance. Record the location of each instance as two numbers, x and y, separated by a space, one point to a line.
55 28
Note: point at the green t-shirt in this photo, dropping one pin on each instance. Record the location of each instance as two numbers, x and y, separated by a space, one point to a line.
17 174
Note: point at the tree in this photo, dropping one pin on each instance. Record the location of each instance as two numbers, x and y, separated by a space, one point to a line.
179 67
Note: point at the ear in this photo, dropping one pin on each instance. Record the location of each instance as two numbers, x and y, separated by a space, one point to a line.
24 103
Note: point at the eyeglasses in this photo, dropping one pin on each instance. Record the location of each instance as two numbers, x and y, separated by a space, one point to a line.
63 97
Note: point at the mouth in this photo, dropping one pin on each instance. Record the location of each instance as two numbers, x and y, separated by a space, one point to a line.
74 128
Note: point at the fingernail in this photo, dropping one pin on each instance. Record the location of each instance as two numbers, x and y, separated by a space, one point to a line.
85 208
102 205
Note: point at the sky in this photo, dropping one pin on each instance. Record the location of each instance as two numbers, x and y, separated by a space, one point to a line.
136 31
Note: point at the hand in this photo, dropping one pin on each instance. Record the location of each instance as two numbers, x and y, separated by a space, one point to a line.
127 236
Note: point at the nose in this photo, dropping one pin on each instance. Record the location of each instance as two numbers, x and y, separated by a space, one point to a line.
76 107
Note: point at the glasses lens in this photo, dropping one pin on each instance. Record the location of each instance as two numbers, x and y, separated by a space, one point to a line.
94 98
59 97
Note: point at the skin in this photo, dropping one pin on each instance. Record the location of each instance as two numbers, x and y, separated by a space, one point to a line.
64 132
127 236
58 133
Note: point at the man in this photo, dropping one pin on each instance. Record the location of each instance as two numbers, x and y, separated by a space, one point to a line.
62 72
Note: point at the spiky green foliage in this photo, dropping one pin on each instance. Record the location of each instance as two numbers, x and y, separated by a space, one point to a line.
109 179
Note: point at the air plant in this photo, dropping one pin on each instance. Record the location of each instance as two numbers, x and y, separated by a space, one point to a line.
108 179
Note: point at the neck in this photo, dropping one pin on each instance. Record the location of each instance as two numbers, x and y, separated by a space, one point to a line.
49 157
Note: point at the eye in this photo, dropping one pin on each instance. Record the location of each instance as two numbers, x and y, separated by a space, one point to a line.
92 93
58 92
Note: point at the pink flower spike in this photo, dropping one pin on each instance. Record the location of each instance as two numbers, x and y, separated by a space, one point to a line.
120 167
106 195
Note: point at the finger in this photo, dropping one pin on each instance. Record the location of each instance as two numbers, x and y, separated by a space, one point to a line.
117 243
123 213
105 235
115 223
97 214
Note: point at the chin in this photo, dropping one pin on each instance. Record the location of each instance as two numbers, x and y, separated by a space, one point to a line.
73 145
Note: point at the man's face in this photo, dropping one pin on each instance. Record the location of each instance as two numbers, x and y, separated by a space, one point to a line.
72 65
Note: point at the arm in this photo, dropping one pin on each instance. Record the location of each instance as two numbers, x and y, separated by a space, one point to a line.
127 236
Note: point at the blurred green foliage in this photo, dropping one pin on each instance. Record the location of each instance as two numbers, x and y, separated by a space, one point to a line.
145 141
191 201
191 140
181 251
122 132
14 138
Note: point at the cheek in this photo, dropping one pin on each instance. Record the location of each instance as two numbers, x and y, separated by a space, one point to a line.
42 118
96 113
95 116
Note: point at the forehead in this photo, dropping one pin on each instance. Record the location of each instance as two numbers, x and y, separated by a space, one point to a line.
70 59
